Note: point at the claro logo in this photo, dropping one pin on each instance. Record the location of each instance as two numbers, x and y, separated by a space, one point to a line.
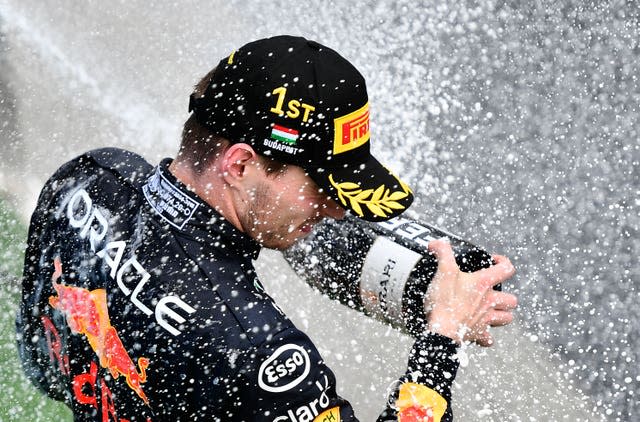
284 369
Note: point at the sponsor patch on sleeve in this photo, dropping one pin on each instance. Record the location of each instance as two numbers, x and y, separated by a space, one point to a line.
417 402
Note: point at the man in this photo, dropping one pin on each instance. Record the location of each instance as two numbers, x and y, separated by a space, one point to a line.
140 299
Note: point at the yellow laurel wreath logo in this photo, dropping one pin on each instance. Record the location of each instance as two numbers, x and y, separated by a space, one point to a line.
380 201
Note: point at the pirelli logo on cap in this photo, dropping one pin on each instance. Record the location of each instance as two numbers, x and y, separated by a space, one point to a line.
352 130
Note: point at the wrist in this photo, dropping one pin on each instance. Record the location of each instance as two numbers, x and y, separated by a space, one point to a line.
444 327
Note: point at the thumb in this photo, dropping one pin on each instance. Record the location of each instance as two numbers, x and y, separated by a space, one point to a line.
444 254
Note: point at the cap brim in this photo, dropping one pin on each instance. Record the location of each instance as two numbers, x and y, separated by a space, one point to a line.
369 190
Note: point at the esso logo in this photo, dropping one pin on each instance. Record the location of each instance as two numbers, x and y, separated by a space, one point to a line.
284 369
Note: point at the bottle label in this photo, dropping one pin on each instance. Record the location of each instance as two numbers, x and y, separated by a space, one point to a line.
384 275
414 231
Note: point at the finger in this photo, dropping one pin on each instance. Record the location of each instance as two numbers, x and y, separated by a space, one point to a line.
444 254
496 274
484 339
497 318
504 264
501 301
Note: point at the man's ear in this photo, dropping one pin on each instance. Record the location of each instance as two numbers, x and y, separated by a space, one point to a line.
237 158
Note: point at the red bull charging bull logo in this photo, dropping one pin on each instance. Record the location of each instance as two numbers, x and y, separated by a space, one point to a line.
86 314
418 403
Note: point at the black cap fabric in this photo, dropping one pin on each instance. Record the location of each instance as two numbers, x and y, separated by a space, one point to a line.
301 103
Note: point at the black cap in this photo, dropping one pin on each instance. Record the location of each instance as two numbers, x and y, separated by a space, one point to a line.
301 103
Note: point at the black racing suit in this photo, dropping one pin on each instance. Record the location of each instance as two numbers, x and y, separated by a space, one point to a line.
140 302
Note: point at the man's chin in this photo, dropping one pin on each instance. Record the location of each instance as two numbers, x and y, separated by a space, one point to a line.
282 243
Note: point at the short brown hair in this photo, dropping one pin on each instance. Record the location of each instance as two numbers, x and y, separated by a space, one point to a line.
200 145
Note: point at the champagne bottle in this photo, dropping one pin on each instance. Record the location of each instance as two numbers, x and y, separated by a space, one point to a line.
380 269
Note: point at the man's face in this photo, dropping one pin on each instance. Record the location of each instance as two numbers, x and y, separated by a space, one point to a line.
284 208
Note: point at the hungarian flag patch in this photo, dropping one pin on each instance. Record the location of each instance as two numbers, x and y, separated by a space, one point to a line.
283 134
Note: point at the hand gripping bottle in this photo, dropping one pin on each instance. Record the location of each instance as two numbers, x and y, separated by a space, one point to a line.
380 269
